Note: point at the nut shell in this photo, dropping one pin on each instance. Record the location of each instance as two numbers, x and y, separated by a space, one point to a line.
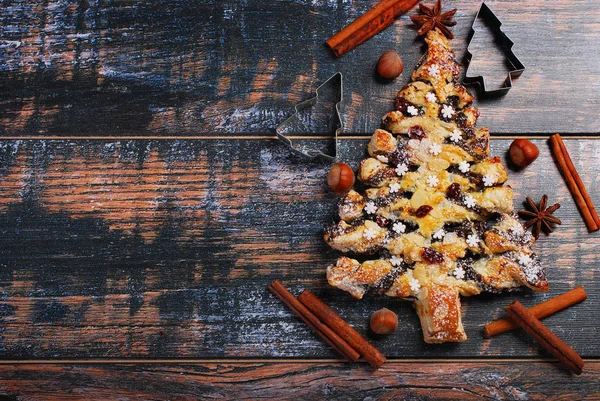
340 178
390 65
523 152
384 321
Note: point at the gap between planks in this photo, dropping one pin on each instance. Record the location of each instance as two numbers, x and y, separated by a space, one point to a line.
109 361
259 360
257 137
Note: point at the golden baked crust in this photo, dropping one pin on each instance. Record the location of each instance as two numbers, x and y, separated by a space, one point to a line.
435 209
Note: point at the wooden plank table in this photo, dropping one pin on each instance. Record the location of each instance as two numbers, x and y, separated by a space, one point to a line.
145 205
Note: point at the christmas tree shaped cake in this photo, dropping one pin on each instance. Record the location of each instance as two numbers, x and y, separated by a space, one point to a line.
435 218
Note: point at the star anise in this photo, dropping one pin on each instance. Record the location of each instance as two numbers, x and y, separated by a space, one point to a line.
539 216
434 18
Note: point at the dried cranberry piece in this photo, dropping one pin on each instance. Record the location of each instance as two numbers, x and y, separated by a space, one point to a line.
402 104
398 157
453 191
423 211
432 256
416 132
381 221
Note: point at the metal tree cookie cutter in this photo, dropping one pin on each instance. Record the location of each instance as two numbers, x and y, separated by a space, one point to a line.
516 68
301 121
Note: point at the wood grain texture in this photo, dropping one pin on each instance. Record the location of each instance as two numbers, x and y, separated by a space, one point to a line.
185 67
295 380
164 249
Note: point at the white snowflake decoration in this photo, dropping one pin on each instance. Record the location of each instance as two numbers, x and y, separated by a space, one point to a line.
469 201
439 234
447 111
401 169
382 159
435 149
489 180
394 187
459 272
430 97
464 166
434 70
396 261
370 208
398 227
473 240
414 284
456 136
432 181
412 110
369 233
525 260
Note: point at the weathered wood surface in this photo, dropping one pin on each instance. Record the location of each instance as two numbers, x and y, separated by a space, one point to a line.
186 67
300 380
163 249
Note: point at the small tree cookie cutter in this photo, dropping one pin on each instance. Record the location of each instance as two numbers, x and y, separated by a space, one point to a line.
516 68
337 81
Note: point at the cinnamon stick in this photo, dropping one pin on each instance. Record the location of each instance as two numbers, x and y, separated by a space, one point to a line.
369 24
548 340
578 181
574 183
540 311
335 341
336 323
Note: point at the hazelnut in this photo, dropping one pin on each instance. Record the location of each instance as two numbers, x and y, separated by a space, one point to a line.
390 65
340 178
384 321
523 152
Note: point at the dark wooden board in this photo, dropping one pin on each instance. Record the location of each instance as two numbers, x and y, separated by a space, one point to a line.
219 67
299 380
163 249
